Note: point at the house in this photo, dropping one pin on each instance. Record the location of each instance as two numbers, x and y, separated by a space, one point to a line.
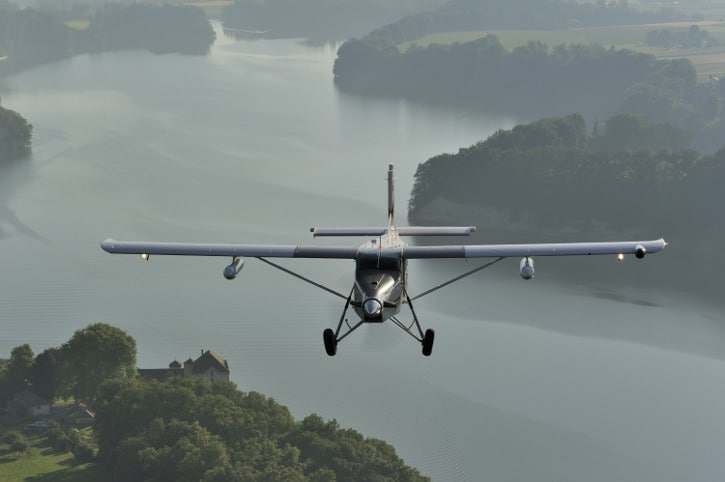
78 416
74 415
209 366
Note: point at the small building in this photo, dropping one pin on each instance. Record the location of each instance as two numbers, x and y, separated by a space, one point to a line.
79 416
75 415
209 366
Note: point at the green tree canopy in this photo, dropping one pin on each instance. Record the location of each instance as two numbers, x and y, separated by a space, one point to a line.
95 354
17 370
15 134
184 429
45 372
635 131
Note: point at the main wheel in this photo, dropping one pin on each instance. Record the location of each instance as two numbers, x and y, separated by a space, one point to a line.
428 342
328 336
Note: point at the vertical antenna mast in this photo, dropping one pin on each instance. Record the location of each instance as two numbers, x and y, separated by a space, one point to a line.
391 202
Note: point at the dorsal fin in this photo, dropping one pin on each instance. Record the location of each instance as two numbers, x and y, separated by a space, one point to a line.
391 195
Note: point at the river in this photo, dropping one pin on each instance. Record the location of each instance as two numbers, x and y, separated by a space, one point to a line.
531 380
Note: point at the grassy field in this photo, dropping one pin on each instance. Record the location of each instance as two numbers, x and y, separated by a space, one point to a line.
706 61
78 24
44 464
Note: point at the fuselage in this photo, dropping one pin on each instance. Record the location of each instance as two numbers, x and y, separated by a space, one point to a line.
380 280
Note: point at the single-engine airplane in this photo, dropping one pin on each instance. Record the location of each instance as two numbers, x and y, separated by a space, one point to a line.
380 287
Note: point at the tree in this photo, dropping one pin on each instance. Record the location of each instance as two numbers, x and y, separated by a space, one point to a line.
43 375
95 354
17 371
15 134
635 131
181 451
16 441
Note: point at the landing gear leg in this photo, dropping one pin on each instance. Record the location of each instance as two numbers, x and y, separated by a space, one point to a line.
332 338
426 339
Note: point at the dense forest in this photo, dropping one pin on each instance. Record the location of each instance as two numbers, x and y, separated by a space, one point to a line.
192 430
630 178
159 29
528 81
549 162
29 37
185 429
533 80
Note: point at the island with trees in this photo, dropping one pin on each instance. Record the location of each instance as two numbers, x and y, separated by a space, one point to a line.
15 135
182 429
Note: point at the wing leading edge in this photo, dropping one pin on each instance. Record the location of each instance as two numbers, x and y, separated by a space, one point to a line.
639 248
537 249
234 250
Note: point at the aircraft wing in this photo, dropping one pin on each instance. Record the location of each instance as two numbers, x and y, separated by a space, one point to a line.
639 248
409 252
234 250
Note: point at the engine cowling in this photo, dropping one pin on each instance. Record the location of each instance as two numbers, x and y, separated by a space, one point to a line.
526 267
640 251
231 271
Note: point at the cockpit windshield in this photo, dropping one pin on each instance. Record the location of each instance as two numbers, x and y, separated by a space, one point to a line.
378 260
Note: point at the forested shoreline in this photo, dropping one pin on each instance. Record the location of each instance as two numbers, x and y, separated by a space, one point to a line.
30 37
649 163
183 428
533 80
554 181
529 81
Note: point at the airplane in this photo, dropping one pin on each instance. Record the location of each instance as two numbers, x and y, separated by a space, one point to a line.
380 286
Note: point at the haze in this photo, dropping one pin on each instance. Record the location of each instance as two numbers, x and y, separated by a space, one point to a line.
253 143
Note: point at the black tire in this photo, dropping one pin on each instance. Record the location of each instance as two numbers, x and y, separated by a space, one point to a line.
428 342
328 336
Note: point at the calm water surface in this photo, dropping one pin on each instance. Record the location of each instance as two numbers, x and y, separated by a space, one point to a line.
528 381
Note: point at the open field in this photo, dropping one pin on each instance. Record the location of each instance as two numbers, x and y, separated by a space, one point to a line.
44 464
78 24
706 61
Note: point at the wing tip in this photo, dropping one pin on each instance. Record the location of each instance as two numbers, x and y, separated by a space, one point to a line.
108 244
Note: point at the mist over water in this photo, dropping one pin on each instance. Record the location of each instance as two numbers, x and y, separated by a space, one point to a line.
531 380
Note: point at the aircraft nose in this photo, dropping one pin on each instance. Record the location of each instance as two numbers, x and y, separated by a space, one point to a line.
372 307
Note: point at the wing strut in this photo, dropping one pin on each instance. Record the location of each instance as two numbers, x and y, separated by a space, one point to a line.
453 280
299 276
